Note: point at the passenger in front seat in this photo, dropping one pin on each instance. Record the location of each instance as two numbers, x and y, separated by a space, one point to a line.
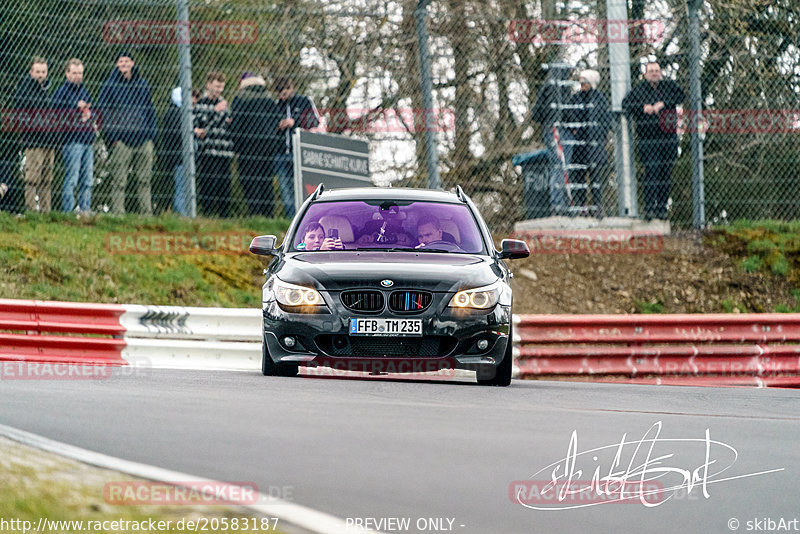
314 239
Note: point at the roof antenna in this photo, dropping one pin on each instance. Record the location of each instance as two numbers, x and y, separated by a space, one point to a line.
318 191
460 193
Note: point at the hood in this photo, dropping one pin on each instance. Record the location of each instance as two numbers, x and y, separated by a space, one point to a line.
176 97
252 81
334 271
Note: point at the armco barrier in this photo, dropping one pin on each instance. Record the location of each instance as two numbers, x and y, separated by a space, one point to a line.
713 349
112 334
754 349
26 323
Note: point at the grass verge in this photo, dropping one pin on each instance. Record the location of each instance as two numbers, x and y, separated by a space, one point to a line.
765 246
128 259
37 484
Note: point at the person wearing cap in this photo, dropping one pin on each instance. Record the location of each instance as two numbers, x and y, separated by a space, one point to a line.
129 127
32 96
296 111
589 120
255 135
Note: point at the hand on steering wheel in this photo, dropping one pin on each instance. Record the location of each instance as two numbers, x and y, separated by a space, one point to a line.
448 245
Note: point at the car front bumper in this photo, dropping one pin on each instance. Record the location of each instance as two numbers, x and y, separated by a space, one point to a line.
449 339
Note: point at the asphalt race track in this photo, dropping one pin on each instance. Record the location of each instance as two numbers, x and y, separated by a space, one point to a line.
385 448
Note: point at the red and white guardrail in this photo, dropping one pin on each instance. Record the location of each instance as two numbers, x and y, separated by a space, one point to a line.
696 349
114 334
712 349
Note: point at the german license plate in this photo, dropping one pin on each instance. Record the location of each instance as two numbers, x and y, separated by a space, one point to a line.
385 327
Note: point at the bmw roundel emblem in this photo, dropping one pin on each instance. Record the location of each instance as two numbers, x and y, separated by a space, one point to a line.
387 283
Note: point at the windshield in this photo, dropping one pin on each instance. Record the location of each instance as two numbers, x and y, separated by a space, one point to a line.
389 225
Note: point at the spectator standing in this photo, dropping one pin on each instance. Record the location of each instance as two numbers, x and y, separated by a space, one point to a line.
76 140
32 97
214 148
255 130
295 111
129 126
657 144
172 151
590 122
549 111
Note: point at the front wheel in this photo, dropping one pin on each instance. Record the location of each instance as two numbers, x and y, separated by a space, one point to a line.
500 375
270 368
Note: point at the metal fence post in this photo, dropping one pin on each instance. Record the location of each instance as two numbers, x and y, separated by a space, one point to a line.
434 182
620 70
695 116
187 126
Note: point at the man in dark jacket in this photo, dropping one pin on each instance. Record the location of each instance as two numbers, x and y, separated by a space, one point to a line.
590 122
657 144
214 148
36 138
129 127
550 111
76 138
255 135
296 111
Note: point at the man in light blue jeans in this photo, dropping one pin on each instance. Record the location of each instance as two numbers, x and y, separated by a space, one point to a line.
76 137
78 170
283 166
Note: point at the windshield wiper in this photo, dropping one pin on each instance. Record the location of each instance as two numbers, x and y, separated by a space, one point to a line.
389 249
404 249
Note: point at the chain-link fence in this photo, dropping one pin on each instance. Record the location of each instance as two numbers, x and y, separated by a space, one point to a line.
507 79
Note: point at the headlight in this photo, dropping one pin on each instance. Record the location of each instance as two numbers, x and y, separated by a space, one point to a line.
481 298
292 295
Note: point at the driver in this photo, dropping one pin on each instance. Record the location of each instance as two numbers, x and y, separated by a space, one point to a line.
429 229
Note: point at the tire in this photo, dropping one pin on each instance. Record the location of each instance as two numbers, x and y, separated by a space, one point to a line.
270 368
501 375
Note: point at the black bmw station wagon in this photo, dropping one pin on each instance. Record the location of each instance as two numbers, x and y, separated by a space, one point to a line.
388 280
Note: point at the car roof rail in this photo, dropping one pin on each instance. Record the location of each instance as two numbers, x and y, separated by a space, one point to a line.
461 195
318 191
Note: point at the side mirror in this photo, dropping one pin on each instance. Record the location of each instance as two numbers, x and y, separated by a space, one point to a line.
264 245
512 249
